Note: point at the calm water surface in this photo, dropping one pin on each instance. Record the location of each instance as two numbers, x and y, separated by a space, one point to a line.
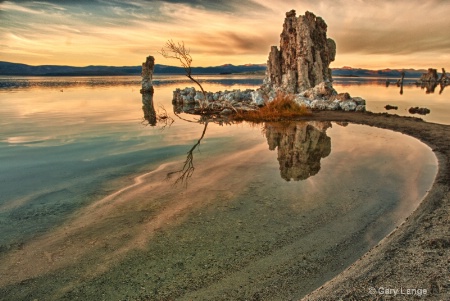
377 95
90 208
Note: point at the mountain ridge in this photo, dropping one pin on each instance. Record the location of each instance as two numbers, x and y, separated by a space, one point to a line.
18 69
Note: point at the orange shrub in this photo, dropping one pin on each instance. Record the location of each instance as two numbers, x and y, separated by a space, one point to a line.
282 107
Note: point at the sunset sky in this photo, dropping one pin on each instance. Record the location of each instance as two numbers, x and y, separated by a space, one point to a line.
369 34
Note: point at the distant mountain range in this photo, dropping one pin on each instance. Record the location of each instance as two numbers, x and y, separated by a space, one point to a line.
358 72
7 68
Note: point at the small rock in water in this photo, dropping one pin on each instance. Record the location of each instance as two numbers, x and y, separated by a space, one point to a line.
389 107
417 110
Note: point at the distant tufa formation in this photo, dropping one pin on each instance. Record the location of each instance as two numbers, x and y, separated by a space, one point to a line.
147 90
304 57
432 77
147 75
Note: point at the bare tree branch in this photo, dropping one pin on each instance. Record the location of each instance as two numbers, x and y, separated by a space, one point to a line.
179 52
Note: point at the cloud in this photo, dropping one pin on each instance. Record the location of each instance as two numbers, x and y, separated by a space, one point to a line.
231 43
235 31
218 6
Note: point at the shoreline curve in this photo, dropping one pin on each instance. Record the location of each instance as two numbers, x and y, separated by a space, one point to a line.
413 260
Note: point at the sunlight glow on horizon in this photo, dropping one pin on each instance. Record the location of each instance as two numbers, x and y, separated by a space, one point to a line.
394 34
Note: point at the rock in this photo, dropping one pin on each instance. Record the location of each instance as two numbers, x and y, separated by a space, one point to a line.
359 101
348 105
430 76
305 53
389 107
360 108
257 97
322 90
319 104
334 106
199 97
147 75
303 101
341 96
417 110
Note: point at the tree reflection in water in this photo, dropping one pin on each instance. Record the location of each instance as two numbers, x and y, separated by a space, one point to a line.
188 166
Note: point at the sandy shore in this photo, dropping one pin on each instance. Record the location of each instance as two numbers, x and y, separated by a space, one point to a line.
413 262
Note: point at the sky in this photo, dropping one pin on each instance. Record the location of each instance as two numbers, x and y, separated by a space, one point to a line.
374 34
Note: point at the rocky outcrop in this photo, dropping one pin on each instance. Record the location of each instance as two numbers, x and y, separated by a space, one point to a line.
147 91
147 75
300 147
304 56
189 100
300 67
430 76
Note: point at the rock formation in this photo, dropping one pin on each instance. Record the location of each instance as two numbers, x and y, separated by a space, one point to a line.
300 147
300 66
430 76
188 100
305 54
147 90
147 75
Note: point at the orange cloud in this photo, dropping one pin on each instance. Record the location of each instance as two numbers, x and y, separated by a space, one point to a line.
371 34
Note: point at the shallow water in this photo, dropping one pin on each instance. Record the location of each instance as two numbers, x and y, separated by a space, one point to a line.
87 209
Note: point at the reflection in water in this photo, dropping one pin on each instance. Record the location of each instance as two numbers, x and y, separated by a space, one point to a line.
300 145
188 168
430 87
148 108
150 115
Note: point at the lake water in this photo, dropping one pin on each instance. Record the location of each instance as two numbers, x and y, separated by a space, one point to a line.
377 95
94 206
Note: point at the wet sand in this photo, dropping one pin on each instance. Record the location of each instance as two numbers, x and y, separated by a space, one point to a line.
413 261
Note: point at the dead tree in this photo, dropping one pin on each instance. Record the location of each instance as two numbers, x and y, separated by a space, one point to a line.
179 52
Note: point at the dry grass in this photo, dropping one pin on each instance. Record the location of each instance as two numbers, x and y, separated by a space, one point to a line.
282 107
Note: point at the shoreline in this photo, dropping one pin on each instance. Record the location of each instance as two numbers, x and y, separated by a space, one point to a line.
412 261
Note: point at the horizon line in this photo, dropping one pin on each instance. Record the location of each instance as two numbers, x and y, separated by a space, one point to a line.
247 64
